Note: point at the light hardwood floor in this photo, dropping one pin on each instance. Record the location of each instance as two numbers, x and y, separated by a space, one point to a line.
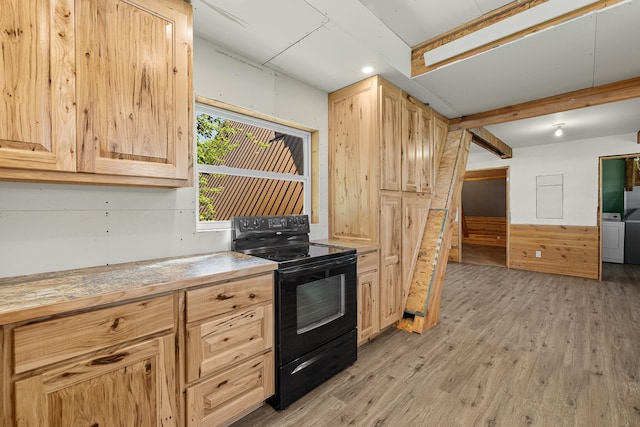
484 255
514 348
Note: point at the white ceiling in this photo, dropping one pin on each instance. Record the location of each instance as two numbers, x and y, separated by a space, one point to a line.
325 43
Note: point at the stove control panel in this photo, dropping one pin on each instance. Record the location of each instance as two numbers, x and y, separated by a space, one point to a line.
245 227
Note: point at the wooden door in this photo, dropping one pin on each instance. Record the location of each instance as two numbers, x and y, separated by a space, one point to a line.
415 210
390 137
368 291
37 106
426 142
132 386
353 160
133 87
391 256
411 148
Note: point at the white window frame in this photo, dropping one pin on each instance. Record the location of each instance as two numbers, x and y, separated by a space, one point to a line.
304 178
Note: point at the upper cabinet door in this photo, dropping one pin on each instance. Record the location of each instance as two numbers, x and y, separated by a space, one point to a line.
426 163
133 73
390 137
37 110
411 148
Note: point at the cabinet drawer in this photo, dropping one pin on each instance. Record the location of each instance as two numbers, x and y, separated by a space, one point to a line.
367 262
44 343
230 393
221 299
226 340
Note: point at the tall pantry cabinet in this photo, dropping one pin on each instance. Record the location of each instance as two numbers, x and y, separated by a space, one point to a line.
381 170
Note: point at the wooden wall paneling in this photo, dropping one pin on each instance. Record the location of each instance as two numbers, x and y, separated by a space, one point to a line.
489 231
564 249
353 177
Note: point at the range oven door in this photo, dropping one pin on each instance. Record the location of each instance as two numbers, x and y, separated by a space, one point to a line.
317 302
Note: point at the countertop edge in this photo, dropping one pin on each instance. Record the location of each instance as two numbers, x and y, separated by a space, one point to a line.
121 296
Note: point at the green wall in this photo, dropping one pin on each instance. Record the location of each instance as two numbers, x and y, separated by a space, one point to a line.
613 186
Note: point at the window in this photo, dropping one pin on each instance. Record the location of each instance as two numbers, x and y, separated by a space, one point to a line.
249 166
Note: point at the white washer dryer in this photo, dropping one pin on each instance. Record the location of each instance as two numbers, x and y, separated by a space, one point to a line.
612 238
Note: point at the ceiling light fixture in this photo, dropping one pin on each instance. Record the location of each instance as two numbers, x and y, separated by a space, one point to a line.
367 69
558 127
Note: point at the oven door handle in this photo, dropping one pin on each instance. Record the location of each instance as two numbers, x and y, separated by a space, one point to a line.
318 266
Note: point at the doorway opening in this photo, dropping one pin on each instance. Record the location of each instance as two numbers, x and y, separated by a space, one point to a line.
619 212
483 216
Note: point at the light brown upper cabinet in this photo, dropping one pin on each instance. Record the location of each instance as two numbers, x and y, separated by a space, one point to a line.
37 84
117 108
353 162
391 112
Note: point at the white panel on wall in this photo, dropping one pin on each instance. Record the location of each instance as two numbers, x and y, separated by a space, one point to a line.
39 241
225 76
549 197
144 234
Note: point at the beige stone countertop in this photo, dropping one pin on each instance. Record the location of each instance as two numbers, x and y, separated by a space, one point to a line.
359 246
46 294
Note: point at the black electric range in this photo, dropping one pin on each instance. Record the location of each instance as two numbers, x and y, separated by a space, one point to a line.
315 298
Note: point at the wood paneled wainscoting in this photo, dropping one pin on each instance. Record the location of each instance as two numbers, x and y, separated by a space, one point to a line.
486 230
564 249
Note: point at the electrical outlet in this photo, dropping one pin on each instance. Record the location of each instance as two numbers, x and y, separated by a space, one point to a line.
538 254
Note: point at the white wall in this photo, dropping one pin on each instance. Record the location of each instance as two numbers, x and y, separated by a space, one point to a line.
577 161
50 227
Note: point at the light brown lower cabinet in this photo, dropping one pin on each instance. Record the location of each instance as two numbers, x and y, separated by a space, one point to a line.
368 296
229 355
390 259
129 386
196 357
109 367
231 392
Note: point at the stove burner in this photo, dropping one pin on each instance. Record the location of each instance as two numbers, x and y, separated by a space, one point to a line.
284 257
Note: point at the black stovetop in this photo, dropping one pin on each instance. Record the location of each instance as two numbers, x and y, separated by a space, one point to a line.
283 239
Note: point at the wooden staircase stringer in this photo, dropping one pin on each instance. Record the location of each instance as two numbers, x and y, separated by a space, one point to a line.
422 306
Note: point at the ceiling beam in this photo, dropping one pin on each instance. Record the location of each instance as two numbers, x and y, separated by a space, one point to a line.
509 10
598 95
490 142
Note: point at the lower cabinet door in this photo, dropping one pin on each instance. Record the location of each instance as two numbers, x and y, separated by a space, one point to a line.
130 386
231 393
368 307
226 340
